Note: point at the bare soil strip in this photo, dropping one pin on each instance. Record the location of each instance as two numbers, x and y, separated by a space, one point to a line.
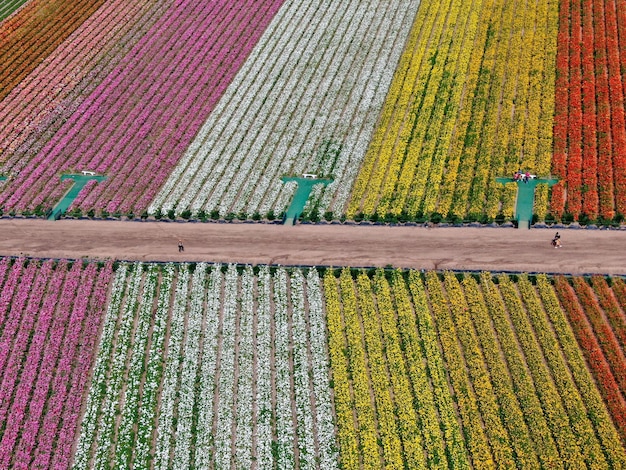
458 248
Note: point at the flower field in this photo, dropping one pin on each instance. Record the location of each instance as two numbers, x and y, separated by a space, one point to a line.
50 315
459 371
143 113
472 99
135 365
300 104
209 367
411 107
589 129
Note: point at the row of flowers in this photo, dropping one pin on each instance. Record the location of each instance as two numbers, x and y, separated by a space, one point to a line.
35 109
437 120
34 32
475 311
581 425
594 353
436 407
599 412
542 369
522 381
303 71
477 440
204 396
111 133
589 128
50 316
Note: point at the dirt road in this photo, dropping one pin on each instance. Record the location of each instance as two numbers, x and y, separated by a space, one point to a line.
493 249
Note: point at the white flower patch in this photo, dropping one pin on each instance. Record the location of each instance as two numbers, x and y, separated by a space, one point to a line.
284 421
264 379
204 436
154 372
89 425
186 390
223 436
243 442
321 386
304 415
172 362
302 84
130 410
112 400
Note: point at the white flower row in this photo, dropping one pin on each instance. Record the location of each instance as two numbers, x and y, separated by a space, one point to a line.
222 127
284 420
130 409
301 367
89 425
112 401
173 359
223 435
320 367
303 84
186 391
243 442
264 378
154 373
204 431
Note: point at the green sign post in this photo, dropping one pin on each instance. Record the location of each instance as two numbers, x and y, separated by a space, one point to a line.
79 182
526 197
305 186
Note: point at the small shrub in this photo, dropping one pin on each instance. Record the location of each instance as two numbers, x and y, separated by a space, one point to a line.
256 215
186 214
215 214
270 215
171 214
436 217
328 216
158 215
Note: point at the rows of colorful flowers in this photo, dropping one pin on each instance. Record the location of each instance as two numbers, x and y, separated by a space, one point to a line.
50 315
510 366
411 108
298 105
134 365
136 123
470 103
210 366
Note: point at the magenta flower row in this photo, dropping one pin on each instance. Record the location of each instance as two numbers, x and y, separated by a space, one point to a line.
136 124
46 351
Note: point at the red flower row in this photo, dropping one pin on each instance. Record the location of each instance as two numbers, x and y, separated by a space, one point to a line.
593 354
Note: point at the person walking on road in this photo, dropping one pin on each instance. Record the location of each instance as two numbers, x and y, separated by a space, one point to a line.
181 247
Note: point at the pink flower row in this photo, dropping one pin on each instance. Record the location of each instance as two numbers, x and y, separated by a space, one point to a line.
42 95
137 123
46 352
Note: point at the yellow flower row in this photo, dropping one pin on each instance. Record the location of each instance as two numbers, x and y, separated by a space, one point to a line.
346 432
502 383
425 188
458 178
596 409
481 380
466 400
366 416
408 423
473 96
523 383
392 447
440 396
433 91
570 395
395 123
552 405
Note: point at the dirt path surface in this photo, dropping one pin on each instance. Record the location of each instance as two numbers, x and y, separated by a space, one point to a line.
492 249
